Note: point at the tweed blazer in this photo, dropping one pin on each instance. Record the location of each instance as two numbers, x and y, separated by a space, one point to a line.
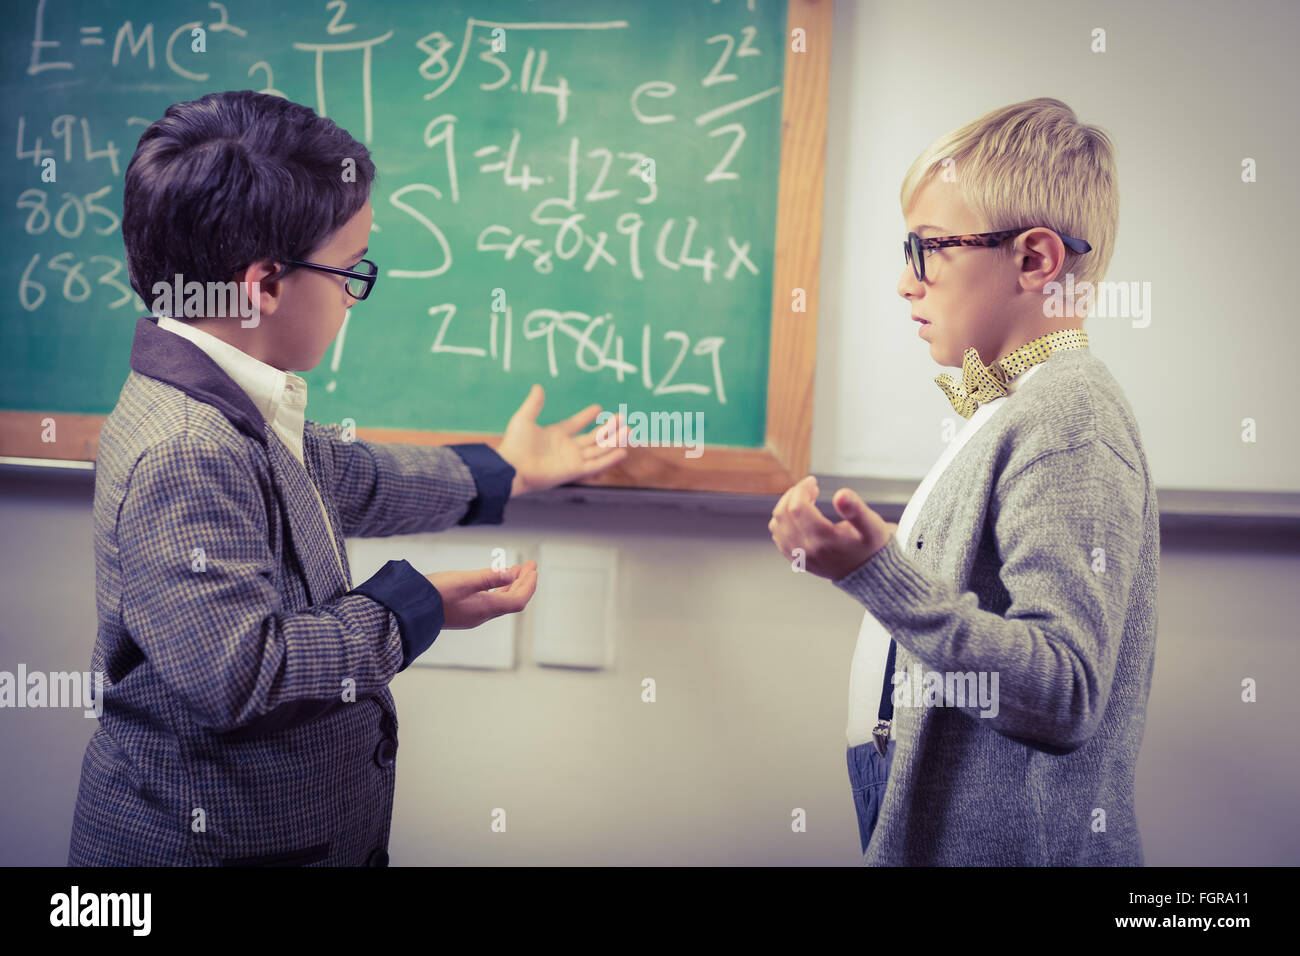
246 713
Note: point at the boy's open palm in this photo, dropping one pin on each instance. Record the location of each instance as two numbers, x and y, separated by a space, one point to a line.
468 598
546 456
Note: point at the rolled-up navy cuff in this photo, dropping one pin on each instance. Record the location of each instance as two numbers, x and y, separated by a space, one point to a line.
493 477
413 598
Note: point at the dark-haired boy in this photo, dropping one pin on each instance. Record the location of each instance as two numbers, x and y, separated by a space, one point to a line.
246 713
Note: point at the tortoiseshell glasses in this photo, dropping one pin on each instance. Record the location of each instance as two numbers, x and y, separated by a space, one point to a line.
914 246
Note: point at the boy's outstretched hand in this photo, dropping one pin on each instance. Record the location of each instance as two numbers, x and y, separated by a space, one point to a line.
544 457
829 550
468 599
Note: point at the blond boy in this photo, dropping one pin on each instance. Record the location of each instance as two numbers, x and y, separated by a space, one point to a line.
1016 597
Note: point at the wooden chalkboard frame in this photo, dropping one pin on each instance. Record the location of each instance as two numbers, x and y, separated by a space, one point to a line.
768 470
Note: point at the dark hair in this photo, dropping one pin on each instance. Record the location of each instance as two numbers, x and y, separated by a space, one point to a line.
234 177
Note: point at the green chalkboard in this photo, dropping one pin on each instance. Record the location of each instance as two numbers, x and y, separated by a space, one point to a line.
580 194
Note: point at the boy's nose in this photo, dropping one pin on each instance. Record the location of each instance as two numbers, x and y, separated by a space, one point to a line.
908 284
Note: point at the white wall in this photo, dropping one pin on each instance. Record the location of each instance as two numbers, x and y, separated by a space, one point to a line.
752 667
1185 90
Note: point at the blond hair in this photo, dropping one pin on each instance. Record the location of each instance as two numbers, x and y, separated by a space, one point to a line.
1032 164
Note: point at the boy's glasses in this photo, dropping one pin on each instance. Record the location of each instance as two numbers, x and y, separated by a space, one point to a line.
360 281
914 247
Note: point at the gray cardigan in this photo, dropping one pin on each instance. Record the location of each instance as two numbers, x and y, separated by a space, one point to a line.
1035 558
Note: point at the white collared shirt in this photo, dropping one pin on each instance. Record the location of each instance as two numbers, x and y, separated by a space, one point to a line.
867 673
280 396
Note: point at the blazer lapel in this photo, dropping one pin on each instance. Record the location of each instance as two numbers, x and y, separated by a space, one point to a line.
318 475
177 361
311 538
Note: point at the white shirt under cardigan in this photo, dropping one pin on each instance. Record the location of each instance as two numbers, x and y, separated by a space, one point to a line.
867 674
280 396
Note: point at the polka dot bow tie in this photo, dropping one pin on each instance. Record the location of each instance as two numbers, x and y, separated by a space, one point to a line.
981 384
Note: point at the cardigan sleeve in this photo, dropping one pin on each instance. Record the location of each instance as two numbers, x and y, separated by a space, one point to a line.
199 599
386 488
1068 529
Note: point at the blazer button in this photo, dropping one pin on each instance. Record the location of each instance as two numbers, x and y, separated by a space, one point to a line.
386 753
378 858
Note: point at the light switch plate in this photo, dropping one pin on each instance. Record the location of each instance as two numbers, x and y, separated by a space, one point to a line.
572 614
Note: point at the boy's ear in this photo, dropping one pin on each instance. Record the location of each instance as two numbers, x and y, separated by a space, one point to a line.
266 273
1042 254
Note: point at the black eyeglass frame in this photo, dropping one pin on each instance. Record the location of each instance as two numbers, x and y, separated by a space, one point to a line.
914 246
368 278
